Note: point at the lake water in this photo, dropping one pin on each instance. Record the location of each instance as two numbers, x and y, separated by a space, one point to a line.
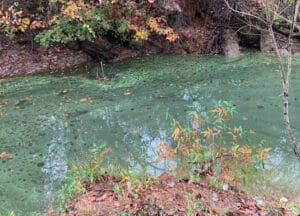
48 122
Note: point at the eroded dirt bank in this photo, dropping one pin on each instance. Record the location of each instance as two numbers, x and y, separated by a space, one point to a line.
164 196
19 58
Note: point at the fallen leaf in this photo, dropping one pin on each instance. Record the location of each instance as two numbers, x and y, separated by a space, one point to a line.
5 155
199 196
215 197
87 99
83 100
66 115
117 204
126 94
165 177
103 197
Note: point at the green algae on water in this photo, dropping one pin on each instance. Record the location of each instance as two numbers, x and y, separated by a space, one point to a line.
48 122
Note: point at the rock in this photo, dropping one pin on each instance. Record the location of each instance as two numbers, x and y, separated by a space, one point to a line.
230 44
283 200
295 46
74 45
225 187
283 52
259 201
266 42
98 49
249 37
152 47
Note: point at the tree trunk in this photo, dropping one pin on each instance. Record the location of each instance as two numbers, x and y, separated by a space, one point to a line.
291 137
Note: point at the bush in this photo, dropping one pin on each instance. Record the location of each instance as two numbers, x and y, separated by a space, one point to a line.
122 20
210 146
13 21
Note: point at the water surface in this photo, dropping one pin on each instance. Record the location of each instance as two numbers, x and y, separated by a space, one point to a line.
48 122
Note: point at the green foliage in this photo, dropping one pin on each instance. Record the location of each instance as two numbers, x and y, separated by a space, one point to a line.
79 23
64 31
279 11
72 186
196 178
193 206
286 2
76 176
117 189
214 183
11 213
125 214
91 168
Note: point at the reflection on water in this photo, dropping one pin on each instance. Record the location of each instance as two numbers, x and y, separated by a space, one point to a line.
46 127
55 160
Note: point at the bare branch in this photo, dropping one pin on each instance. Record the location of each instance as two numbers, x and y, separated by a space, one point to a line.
245 13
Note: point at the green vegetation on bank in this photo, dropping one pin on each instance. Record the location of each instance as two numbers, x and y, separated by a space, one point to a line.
66 21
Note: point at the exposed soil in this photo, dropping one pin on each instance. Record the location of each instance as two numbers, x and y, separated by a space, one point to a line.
20 59
166 197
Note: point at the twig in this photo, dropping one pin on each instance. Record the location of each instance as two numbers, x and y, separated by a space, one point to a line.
245 13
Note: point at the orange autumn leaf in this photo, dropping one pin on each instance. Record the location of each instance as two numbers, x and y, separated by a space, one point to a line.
219 111
234 137
87 99
166 152
266 150
264 153
175 133
161 145
245 150
104 152
207 133
226 118
159 158
126 94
